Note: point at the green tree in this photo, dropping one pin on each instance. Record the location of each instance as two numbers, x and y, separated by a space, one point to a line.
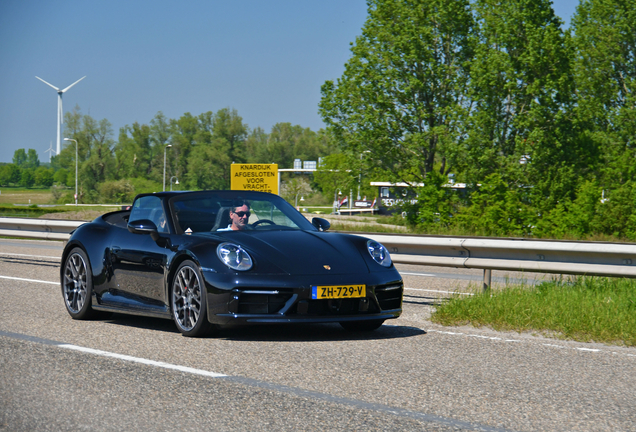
521 86
95 153
255 147
133 153
294 189
573 218
287 142
60 177
32 159
160 135
212 142
436 204
19 157
605 74
334 176
9 174
228 125
27 178
183 131
498 208
209 166
44 176
403 93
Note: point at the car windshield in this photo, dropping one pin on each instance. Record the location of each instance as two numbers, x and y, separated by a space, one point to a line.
210 211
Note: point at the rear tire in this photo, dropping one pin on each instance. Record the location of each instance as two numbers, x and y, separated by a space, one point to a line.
362 326
77 285
188 301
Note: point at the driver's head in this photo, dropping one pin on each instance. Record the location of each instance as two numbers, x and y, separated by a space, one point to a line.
239 215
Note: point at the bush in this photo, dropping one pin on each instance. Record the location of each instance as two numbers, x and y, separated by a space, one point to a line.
27 179
119 191
44 176
143 185
60 177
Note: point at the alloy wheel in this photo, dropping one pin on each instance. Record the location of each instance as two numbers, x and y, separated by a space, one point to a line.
186 298
75 291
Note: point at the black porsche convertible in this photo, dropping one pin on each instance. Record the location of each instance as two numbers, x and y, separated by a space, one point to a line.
180 256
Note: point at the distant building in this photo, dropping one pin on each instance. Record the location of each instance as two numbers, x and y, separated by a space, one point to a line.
394 195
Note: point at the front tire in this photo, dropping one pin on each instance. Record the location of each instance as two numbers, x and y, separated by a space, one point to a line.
77 285
188 301
362 326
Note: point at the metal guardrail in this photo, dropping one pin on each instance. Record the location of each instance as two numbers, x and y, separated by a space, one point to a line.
543 256
37 228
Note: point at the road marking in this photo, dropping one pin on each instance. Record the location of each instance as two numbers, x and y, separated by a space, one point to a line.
29 280
292 391
438 291
30 256
206 373
143 361
417 274
515 340
484 337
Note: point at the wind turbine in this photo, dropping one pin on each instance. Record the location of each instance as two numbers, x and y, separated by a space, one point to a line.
49 151
60 114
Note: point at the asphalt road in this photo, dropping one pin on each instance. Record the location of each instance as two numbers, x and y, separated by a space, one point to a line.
133 373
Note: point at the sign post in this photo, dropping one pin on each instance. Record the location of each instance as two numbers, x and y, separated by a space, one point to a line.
254 177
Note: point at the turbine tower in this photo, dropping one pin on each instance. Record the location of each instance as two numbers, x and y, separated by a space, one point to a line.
60 114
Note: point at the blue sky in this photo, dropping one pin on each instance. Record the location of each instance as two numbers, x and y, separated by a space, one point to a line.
265 58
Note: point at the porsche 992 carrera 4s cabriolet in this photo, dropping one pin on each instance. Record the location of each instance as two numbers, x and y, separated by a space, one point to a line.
213 258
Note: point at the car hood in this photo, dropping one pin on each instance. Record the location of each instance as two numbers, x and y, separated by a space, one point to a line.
303 252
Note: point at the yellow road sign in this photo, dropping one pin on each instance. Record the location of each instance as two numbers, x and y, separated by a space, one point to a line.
255 177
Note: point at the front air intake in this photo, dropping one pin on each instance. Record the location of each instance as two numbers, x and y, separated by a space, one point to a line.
389 296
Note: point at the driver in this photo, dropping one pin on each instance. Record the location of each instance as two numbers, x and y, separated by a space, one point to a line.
239 215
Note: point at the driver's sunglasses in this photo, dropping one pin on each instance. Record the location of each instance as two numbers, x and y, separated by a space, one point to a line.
242 213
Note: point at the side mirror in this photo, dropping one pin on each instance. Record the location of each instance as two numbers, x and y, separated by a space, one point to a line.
144 226
321 224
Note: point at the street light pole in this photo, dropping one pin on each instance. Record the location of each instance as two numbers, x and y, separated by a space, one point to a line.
164 165
336 196
76 163
360 173
301 199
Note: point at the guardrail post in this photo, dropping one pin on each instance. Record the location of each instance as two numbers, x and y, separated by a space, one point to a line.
487 279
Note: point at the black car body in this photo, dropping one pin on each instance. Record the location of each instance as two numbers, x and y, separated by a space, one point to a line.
166 258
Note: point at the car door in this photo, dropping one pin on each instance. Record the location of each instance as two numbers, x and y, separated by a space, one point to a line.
138 261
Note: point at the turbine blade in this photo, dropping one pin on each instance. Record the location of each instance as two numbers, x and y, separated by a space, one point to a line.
48 83
73 83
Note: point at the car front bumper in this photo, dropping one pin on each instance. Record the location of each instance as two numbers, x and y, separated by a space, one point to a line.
250 299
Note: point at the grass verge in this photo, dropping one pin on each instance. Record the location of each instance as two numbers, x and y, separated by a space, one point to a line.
11 195
585 309
365 228
31 211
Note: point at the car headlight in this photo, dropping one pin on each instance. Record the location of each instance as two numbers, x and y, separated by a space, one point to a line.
379 253
234 256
